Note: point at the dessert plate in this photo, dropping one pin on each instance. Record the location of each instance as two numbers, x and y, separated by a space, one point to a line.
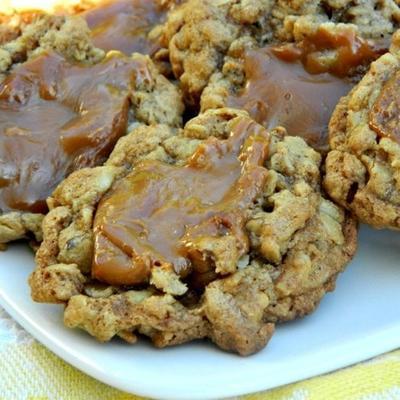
359 320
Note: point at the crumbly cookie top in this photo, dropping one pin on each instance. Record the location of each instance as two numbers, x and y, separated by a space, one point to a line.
199 34
363 166
373 18
68 36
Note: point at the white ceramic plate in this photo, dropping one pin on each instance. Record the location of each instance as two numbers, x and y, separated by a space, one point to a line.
359 320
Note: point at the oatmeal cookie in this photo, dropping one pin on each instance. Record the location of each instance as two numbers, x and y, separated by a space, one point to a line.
215 231
87 108
363 167
199 34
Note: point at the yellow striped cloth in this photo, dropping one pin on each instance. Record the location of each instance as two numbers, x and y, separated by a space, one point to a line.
29 371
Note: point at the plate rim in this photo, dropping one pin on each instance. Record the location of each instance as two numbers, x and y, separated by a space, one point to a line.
345 351
388 340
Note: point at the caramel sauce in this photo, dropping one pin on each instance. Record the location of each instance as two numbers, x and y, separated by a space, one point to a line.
123 25
298 85
56 117
154 215
337 53
279 93
384 116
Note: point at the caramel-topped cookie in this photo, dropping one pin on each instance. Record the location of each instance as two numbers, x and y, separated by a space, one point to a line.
63 108
56 117
218 230
160 214
287 63
199 34
363 167
297 84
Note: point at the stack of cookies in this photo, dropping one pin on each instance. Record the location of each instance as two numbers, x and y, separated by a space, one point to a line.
197 169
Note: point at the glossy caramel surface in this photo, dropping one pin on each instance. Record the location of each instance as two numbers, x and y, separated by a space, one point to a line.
153 216
56 117
124 24
338 53
282 93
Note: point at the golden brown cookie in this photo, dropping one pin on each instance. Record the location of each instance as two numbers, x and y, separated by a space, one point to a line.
216 231
363 167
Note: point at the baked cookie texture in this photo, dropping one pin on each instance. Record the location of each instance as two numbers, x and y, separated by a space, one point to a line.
199 34
152 100
290 245
373 18
363 167
20 225
24 38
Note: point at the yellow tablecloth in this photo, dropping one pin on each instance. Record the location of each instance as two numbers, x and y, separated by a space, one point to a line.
30 371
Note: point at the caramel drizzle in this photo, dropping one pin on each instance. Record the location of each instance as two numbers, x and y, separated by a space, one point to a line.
162 214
